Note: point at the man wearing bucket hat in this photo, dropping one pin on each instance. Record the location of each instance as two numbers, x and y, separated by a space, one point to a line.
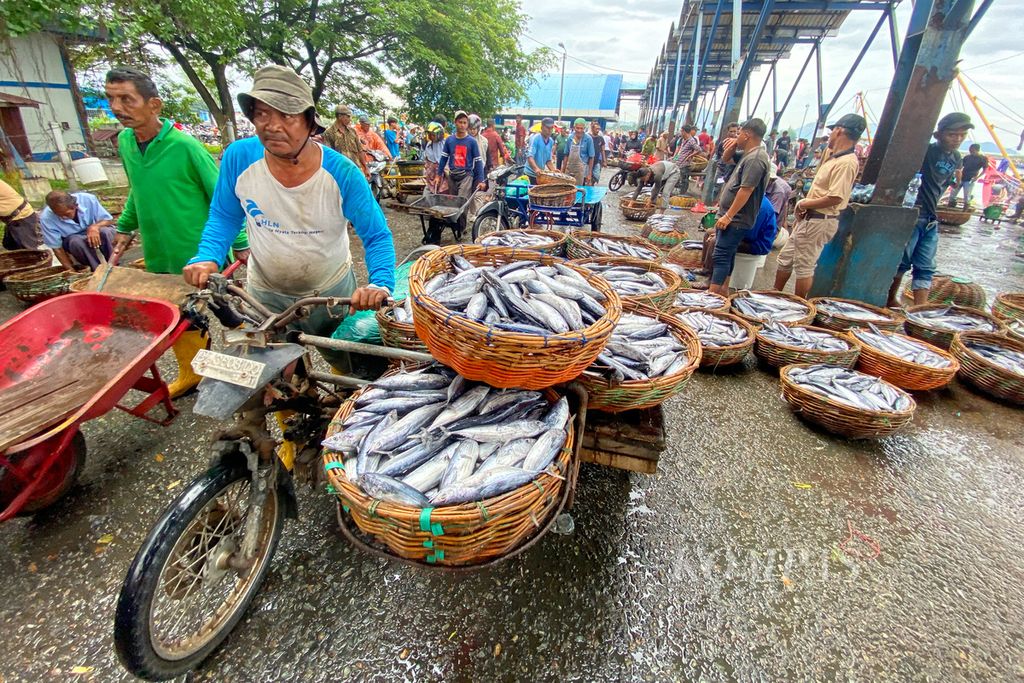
579 154
342 137
942 163
817 214
295 197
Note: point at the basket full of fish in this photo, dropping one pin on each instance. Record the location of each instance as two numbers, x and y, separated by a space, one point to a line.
938 323
665 230
780 345
842 314
585 244
688 254
511 317
696 298
636 281
907 362
846 402
758 308
396 327
1009 306
992 363
725 339
442 470
545 241
648 359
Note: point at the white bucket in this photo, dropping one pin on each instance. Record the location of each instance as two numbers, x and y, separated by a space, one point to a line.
744 270
89 171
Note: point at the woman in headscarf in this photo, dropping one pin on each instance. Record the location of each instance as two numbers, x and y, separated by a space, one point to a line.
432 149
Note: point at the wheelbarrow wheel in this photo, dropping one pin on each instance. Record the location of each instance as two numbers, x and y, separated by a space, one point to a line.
61 477
184 592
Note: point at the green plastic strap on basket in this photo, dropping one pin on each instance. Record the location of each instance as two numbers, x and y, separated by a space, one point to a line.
372 510
438 555
428 543
331 490
345 508
483 512
435 529
334 465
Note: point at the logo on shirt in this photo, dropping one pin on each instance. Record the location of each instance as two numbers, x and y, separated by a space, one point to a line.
460 156
254 212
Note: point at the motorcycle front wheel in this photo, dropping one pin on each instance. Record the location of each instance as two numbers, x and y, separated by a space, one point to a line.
182 596
489 222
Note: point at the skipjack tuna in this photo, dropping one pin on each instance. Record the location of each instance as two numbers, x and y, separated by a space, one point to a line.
515 238
903 348
951 321
663 223
802 337
1008 359
851 311
768 307
851 388
640 348
619 248
629 280
699 300
712 330
523 297
431 437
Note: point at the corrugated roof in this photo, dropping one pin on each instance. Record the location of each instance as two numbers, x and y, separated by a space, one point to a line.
8 100
587 95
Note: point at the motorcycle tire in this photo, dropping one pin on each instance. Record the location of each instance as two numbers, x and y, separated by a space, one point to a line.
616 181
156 575
489 222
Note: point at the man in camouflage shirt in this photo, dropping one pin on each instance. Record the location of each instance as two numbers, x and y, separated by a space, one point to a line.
342 137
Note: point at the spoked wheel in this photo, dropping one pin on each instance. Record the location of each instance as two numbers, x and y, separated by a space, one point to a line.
489 222
188 586
616 181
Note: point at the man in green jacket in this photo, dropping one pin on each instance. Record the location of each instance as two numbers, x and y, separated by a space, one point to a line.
172 179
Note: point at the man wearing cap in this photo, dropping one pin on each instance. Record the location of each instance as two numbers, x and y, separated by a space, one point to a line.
462 158
579 154
433 148
172 179
817 214
370 140
295 197
942 163
740 200
342 137
542 148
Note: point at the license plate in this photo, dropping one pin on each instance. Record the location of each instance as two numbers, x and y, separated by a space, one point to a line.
241 371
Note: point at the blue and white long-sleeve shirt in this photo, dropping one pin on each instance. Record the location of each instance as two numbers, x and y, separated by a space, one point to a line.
298 234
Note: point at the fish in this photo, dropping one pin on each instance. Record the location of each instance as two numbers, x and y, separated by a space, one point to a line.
803 337
545 448
629 280
385 440
369 444
428 475
502 432
851 311
713 331
486 484
404 404
516 239
558 415
698 299
509 454
461 407
904 348
619 247
412 381
1006 358
462 463
850 387
639 348
347 441
768 307
951 319
391 490
663 223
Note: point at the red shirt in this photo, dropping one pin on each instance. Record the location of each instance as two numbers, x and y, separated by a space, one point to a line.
520 136
496 151
705 140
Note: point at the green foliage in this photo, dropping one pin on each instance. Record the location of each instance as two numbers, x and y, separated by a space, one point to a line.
214 150
18 17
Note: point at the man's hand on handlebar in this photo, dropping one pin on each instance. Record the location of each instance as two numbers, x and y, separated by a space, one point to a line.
367 299
196 274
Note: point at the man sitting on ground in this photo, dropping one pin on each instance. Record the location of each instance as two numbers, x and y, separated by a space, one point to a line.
75 226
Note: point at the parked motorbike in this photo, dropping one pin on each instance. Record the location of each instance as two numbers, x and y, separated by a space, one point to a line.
628 168
377 169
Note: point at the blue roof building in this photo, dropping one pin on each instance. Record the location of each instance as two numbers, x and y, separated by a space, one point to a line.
591 96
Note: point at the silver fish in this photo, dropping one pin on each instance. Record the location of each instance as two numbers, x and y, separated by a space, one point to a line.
548 445
951 319
391 490
488 484
503 432
427 475
850 387
802 337
388 439
1004 357
514 238
462 463
464 405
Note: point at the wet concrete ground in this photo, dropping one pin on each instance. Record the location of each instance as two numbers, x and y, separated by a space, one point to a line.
750 556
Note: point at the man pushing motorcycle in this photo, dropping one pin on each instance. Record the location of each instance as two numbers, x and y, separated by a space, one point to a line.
294 196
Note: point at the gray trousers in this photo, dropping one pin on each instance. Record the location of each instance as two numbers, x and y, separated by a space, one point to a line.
78 247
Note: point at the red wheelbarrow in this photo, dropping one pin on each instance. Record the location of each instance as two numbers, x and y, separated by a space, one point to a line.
65 361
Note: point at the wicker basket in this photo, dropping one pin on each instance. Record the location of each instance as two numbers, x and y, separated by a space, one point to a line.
662 300
757 322
840 418
22 259
720 356
687 258
723 307
949 216
779 355
500 358
1009 306
683 202
555 178
578 244
698 163
638 394
455 535
904 373
555 246
983 373
39 284
893 322
939 337
395 334
636 209
552 195
665 240
956 291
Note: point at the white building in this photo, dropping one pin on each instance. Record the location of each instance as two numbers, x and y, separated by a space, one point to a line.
35 66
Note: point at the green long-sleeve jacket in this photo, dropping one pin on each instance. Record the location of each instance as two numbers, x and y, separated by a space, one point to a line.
171 189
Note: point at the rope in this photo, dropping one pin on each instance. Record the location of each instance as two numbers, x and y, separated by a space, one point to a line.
856 535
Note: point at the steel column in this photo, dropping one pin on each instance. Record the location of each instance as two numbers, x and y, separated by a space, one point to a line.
894 37
849 74
711 39
796 82
679 70
741 72
821 98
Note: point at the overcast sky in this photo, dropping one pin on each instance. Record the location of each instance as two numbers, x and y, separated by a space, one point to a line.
625 36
